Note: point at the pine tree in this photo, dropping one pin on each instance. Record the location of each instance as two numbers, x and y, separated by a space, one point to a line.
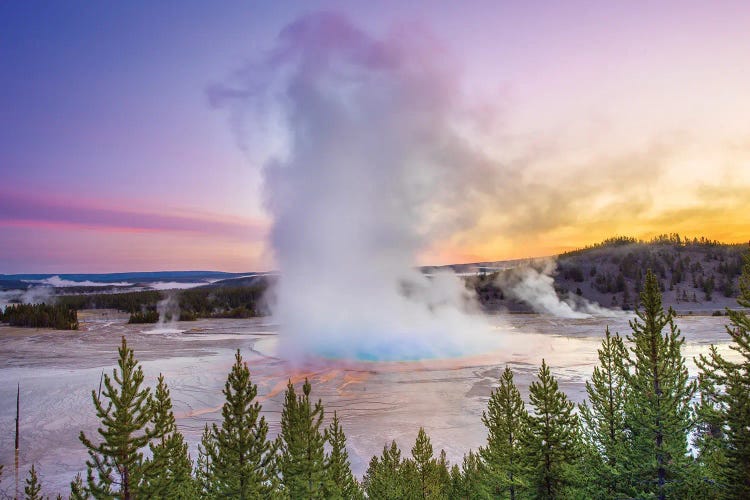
432 482
505 419
77 489
240 453
657 406
301 444
467 482
168 474
114 468
203 476
725 415
33 488
341 483
458 486
389 477
709 437
552 439
604 419
443 475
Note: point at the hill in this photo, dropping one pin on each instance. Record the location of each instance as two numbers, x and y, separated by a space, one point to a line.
695 275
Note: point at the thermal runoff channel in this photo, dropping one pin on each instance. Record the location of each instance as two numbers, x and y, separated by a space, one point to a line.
362 173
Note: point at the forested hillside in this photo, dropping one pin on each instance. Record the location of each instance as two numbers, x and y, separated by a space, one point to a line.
697 275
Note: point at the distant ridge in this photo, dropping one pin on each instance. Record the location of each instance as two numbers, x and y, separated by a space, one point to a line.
142 277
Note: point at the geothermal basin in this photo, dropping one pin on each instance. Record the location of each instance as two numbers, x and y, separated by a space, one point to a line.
376 401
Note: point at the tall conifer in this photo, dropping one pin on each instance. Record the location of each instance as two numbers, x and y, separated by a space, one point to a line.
77 489
388 476
240 453
432 475
506 419
114 468
168 474
301 445
341 483
552 439
657 405
468 482
203 475
604 415
725 414
33 488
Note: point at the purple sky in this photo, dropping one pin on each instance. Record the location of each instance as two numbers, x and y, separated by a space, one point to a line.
113 159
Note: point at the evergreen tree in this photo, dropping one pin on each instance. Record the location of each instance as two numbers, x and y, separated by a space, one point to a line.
604 419
725 414
114 468
467 482
167 475
77 489
239 453
33 488
657 406
388 477
443 474
552 439
203 476
709 438
505 419
431 475
458 486
301 444
341 483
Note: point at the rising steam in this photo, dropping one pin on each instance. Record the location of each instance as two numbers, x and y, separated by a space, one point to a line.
369 167
534 284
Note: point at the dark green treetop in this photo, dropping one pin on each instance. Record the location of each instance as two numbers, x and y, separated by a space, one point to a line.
33 488
341 483
657 403
301 445
506 420
552 439
724 412
388 476
240 454
604 415
168 474
115 465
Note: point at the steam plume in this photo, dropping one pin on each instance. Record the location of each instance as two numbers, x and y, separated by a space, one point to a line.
370 167
533 283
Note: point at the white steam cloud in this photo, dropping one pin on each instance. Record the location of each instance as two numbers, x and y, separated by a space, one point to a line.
534 284
370 169
57 282
32 295
176 285
169 312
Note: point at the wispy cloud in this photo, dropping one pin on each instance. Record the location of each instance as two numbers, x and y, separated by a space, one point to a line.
32 210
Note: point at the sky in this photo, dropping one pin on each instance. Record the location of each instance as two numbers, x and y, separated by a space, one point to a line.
596 119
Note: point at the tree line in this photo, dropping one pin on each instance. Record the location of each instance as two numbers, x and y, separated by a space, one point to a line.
219 302
57 316
646 431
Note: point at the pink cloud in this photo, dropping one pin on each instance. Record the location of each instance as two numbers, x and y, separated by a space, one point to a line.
32 210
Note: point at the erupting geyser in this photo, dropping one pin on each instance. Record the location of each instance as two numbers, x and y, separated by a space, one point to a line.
369 166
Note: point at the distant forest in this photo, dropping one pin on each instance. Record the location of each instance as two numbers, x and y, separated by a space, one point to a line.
647 430
690 272
219 302
59 317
